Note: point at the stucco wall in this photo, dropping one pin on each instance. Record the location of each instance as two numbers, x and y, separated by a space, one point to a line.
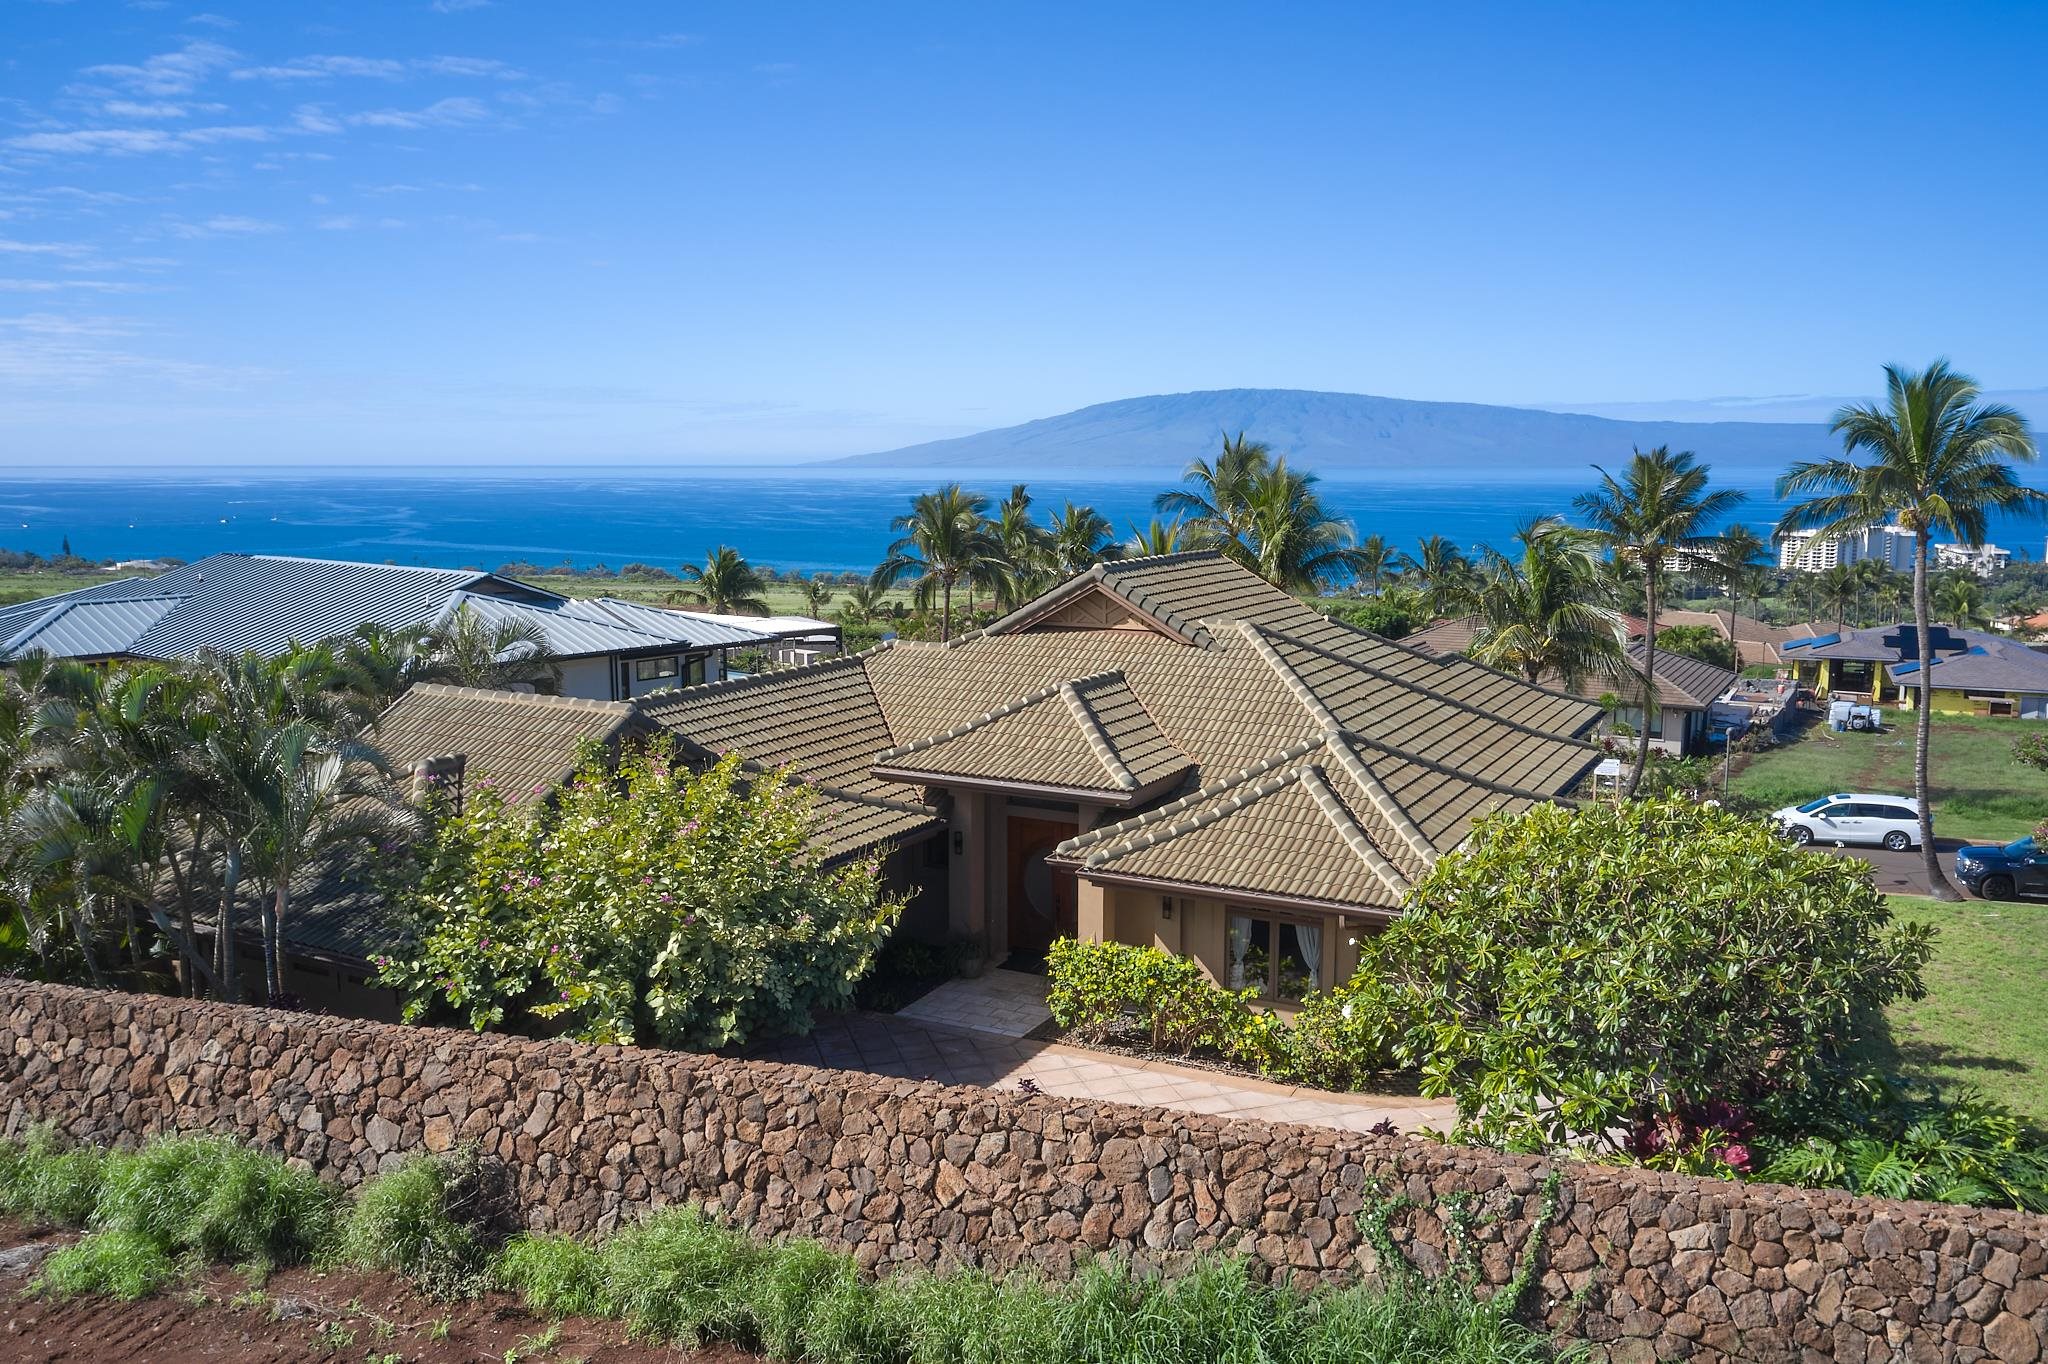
1646 1265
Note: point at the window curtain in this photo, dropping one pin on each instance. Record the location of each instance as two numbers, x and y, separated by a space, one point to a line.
1310 939
1240 932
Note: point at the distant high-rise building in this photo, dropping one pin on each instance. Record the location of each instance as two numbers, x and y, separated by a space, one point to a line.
1982 560
1810 551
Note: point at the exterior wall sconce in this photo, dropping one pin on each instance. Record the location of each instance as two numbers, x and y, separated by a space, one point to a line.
959 843
1166 907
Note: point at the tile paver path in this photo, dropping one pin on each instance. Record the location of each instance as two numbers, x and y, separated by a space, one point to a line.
912 1049
1008 1002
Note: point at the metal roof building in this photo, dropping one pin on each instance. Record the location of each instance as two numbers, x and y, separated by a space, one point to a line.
232 603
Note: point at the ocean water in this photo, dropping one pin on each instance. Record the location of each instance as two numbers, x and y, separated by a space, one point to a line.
790 519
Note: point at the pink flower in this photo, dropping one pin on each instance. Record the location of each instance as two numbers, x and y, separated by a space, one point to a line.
533 880
565 994
539 787
666 897
1735 1155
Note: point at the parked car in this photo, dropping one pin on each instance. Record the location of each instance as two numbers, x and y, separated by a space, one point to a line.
1854 817
2002 871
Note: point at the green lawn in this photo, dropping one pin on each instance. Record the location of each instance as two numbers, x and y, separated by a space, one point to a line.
1980 793
782 601
1984 1022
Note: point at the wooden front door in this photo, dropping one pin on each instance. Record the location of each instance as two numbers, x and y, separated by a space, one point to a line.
1041 897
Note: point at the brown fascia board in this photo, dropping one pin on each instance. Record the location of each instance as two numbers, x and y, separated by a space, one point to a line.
1208 892
1095 795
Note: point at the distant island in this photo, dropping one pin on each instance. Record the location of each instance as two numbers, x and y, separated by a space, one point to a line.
1347 435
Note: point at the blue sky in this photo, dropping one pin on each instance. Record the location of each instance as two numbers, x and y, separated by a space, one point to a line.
460 231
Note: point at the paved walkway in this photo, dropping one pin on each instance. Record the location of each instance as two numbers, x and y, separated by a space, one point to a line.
1011 1003
908 1048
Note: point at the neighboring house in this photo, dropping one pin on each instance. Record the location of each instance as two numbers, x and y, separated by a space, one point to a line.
1687 689
1973 672
797 639
1164 751
230 603
1756 643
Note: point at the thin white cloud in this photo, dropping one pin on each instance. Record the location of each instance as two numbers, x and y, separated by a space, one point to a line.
132 141
55 286
169 73
19 248
320 68
456 111
223 225
213 21
128 108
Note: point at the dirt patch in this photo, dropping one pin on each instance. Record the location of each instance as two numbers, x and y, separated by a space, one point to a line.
302 1314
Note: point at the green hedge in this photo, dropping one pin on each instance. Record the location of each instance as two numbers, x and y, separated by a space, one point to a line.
1098 990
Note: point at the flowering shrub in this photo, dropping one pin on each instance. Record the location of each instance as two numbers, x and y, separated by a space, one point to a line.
1576 974
648 905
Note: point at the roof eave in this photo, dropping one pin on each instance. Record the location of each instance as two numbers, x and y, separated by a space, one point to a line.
1261 899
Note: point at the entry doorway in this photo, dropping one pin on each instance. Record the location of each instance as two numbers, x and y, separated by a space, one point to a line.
1041 897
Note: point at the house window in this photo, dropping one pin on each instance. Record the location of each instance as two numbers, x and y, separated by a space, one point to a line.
1280 958
654 669
694 673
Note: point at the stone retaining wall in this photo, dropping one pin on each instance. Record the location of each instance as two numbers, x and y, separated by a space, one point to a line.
1647 1265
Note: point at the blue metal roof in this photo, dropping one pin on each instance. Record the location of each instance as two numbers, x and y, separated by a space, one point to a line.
230 603
89 629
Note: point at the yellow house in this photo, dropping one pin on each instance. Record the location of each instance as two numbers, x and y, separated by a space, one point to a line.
1973 673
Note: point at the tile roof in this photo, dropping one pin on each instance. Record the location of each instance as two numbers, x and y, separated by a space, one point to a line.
518 740
1682 683
1087 734
1451 635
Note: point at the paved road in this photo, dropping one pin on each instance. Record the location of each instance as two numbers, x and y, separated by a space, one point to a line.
1901 873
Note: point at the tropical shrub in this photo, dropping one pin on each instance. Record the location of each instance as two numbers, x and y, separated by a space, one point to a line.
427 1220
649 906
1097 990
1891 1139
1702 642
1575 973
1387 619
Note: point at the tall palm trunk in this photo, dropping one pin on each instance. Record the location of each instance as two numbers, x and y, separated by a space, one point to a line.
945 609
81 919
1923 724
273 915
225 965
1635 776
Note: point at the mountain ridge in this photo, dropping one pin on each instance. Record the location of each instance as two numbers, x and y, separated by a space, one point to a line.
1341 435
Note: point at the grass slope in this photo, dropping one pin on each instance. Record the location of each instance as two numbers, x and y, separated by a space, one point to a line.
1980 793
1984 1022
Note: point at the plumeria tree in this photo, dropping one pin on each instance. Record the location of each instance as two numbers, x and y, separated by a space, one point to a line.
648 905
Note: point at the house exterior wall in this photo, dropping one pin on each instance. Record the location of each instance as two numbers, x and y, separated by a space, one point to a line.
1197 928
588 678
1955 701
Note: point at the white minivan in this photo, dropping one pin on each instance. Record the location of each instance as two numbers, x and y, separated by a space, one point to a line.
1854 817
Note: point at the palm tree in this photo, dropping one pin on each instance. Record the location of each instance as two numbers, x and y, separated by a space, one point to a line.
305 795
90 853
1023 548
946 541
1839 591
1296 544
1658 507
1937 458
1161 537
1959 600
726 583
1377 561
1443 574
1218 497
815 593
1080 538
1743 551
1538 610
864 601
469 651
379 662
